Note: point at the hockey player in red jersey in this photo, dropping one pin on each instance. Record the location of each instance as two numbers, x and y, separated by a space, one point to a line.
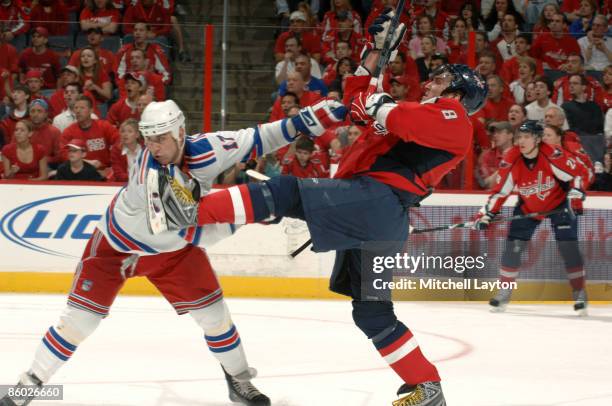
547 178
385 172
174 261
555 136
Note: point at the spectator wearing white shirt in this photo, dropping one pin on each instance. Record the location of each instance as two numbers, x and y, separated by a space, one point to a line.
596 46
63 120
293 49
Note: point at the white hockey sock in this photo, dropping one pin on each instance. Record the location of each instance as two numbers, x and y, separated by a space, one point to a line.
228 349
52 353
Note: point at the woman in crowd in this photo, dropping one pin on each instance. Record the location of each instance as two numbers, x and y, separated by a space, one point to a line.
21 159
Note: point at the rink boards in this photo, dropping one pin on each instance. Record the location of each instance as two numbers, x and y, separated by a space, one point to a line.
44 228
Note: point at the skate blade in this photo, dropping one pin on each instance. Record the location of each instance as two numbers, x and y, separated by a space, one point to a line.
498 309
582 312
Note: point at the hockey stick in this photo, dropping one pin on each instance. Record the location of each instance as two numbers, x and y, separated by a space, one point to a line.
385 54
458 225
469 224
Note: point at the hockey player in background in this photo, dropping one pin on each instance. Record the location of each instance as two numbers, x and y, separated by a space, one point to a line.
385 172
173 261
547 178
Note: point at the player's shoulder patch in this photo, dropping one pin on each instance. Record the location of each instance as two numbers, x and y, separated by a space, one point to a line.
199 152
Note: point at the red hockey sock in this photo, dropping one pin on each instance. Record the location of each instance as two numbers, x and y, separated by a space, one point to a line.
508 274
404 355
576 277
232 205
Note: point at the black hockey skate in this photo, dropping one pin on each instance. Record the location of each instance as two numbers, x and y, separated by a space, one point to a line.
241 390
423 394
500 301
27 379
580 302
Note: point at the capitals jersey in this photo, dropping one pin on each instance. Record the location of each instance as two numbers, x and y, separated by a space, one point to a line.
124 223
541 183
423 142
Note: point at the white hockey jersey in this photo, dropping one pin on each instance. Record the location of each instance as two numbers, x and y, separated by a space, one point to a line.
124 223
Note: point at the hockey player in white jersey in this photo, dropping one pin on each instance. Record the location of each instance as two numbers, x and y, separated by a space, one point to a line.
174 261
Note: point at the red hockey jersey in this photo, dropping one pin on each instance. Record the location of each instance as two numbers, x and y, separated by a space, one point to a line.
424 142
539 185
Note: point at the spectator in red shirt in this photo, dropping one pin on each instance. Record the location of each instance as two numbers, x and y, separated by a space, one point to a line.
575 66
22 159
487 64
310 40
93 77
401 89
489 159
440 18
510 71
125 152
72 91
343 53
99 135
304 161
155 84
5 85
43 133
497 106
9 58
296 85
14 20
341 10
554 47
40 57
143 101
20 97
343 34
127 106
156 60
53 15
57 103
457 44
150 12
107 59
286 102
100 14
34 82
517 115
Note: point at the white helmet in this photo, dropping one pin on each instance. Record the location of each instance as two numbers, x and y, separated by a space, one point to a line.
160 117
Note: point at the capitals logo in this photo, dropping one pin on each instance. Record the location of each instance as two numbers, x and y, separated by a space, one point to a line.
541 187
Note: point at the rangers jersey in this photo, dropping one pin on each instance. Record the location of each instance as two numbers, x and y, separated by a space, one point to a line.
124 223
541 182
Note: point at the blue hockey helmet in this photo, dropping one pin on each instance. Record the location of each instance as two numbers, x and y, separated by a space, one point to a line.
532 126
469 83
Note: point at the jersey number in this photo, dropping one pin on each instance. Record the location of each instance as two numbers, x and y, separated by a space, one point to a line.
449 114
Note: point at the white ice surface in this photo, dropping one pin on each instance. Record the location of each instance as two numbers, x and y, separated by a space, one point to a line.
310 353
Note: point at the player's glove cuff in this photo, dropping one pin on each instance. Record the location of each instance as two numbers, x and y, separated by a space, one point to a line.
314 120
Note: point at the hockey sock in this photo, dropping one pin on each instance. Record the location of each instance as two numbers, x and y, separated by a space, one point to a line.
507 274
232 205
404 355
228 350
52 353
576 277
252 203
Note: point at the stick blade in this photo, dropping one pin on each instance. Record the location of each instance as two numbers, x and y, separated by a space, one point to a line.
156 216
